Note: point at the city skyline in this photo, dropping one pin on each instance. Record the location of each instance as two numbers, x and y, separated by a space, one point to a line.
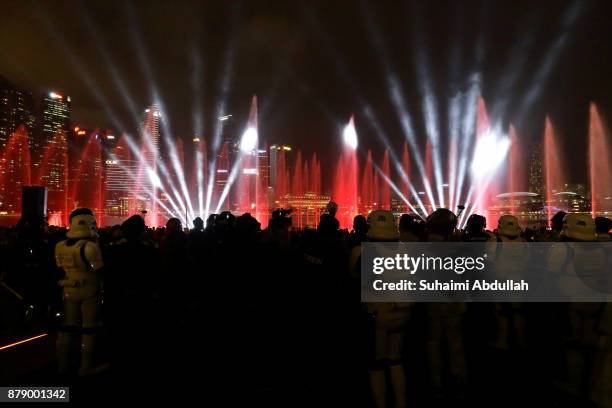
121 174
294 52
413 105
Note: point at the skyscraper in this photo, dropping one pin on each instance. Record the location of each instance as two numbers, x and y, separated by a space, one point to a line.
121 169
223 159
16 142
150 135
275 152
146 195
16 108
278 171
263 167
52 162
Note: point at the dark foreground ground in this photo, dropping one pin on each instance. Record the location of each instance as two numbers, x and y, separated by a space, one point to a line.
291 365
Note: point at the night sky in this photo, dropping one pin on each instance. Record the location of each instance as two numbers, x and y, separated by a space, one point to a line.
313 63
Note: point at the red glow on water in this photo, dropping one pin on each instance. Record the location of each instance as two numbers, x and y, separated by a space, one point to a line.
345 185
516 167
282 177
553 170
482 118
76 176
305 176
250 192
296 183
366 185
53 174
485 187
375 191
85 187
315 175
600 169
429 165
406 168
385 193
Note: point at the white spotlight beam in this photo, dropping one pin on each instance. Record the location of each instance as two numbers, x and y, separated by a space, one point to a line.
490 152
109 64
428 104
468 128
141 52
160 167
143 164
197 111
406 123
218 125
147 191
454 115
78 66
454 104
396 190
550 58
373 121
399 104
230 181
365 106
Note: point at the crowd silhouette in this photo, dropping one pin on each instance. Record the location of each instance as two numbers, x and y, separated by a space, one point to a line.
276 313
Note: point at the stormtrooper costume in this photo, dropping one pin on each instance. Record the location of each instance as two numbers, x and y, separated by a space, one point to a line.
80 258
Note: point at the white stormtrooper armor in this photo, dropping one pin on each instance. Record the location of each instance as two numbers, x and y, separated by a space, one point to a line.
80 258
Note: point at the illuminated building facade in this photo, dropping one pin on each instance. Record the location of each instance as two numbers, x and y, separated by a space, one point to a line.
144 196
279 176
274 156
16 108
570 201
307 208
528 207
120 177
16 141
53 158
223 161
263 168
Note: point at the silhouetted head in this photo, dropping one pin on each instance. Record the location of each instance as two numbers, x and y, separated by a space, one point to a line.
173 225
557 221
332 208
247 224
226 218
327 225
198 224
30 227
475 223
133 228
360 224
441 222
211 220
280 221
406 223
